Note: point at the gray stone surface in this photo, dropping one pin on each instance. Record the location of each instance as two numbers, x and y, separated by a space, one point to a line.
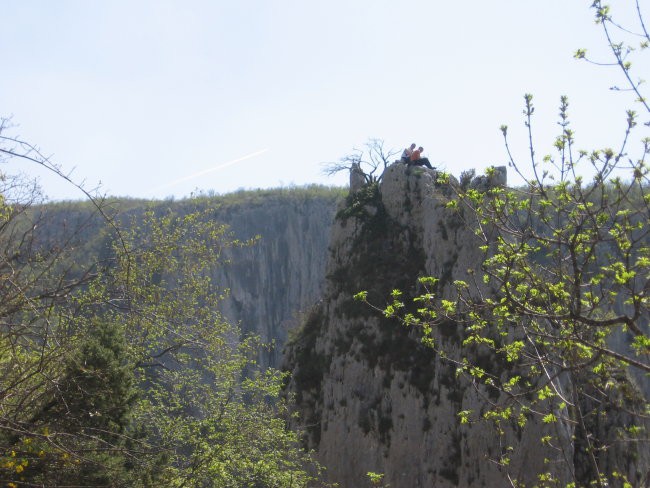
370 396
357 177
274 281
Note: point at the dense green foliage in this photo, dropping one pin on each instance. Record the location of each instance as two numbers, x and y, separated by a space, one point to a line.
91 407
115 367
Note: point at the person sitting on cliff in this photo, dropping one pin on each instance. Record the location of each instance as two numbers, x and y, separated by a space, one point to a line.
406 155
418 160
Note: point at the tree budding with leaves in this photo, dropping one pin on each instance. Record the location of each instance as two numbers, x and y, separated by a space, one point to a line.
623 43
561 299
116 368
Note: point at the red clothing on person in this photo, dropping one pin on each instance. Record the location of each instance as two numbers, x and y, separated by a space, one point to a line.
415 155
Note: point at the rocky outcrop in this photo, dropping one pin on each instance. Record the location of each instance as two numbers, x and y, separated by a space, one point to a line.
357 177
370 396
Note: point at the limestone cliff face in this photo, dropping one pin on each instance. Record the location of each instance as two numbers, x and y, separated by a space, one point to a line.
270 283
370 396
282 274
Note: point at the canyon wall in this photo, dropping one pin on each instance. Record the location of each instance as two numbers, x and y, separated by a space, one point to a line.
276 279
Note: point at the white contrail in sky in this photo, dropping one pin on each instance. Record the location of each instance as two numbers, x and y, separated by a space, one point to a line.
210 170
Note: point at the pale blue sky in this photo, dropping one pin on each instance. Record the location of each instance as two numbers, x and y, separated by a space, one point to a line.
157 97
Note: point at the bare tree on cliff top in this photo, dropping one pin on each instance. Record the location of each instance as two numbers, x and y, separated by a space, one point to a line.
372 160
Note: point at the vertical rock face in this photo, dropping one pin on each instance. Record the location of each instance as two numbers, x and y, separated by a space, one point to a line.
370 396
282 274
270 282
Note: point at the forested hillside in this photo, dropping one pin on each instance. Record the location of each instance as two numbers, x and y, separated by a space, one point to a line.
269 284
119 367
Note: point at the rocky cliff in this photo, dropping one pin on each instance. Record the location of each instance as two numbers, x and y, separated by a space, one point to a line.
369 395
273 281
270 282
